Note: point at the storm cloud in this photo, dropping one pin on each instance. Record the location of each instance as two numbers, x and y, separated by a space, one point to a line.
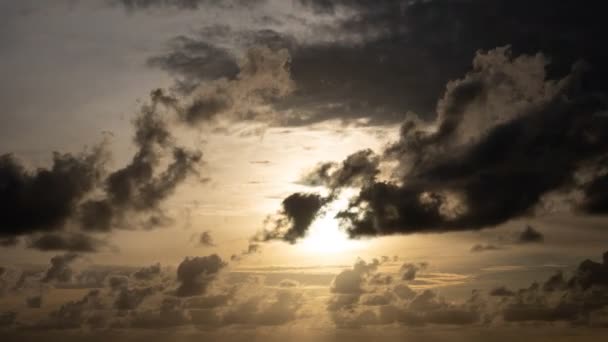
504 127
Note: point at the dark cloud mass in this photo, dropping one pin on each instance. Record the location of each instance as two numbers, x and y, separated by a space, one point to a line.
356 170
44 199
60 269
143 184
503 127
77 192
205 239
299 211
387 58
530 235
196 61
133 5
148 273
195 274
75 242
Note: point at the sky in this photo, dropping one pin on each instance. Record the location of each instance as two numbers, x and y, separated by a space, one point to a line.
313 170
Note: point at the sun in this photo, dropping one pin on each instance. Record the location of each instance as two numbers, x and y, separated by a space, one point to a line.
325 235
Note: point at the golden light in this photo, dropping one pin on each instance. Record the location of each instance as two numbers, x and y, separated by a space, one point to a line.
325 236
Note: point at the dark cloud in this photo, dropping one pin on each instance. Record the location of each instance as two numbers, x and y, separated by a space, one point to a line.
205 239
409 270
130 299
74 242
118 282
196 61
572 299
75 314
170 314
43 200
416 47
446 172
288 283
142 185
148 273
356 170
262 78
252 248
195 274
44 203
377 61
299 211
502 292
483 248
60 269
34 302
132 5
530 235
7 318
10 241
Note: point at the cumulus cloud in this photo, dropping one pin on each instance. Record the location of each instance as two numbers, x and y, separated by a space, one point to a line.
263 77
60 207
60 269
477 248
530 235
142 185
34 302
206 240
356 170
75 242
195 274
292 222
43 200
445 168
358 300
409 270
148 273
133 5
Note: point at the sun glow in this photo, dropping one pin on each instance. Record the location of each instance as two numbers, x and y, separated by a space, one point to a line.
325 235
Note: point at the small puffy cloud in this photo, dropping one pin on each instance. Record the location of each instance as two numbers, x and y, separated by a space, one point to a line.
196 273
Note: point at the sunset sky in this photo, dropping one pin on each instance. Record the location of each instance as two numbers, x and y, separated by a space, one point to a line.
312 170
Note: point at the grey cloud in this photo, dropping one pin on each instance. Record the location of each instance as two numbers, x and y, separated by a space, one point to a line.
60 269
170 314
502 292
362 302
288 283
477 248
205 239
140 187
44 199
7 318
530 235
573 299
44 203
447 172
130 299
409 270
196 61
74 314
195 274
34 302
263 77
356 170
298 213
133 5
75 242
279 309
148 273
118 282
